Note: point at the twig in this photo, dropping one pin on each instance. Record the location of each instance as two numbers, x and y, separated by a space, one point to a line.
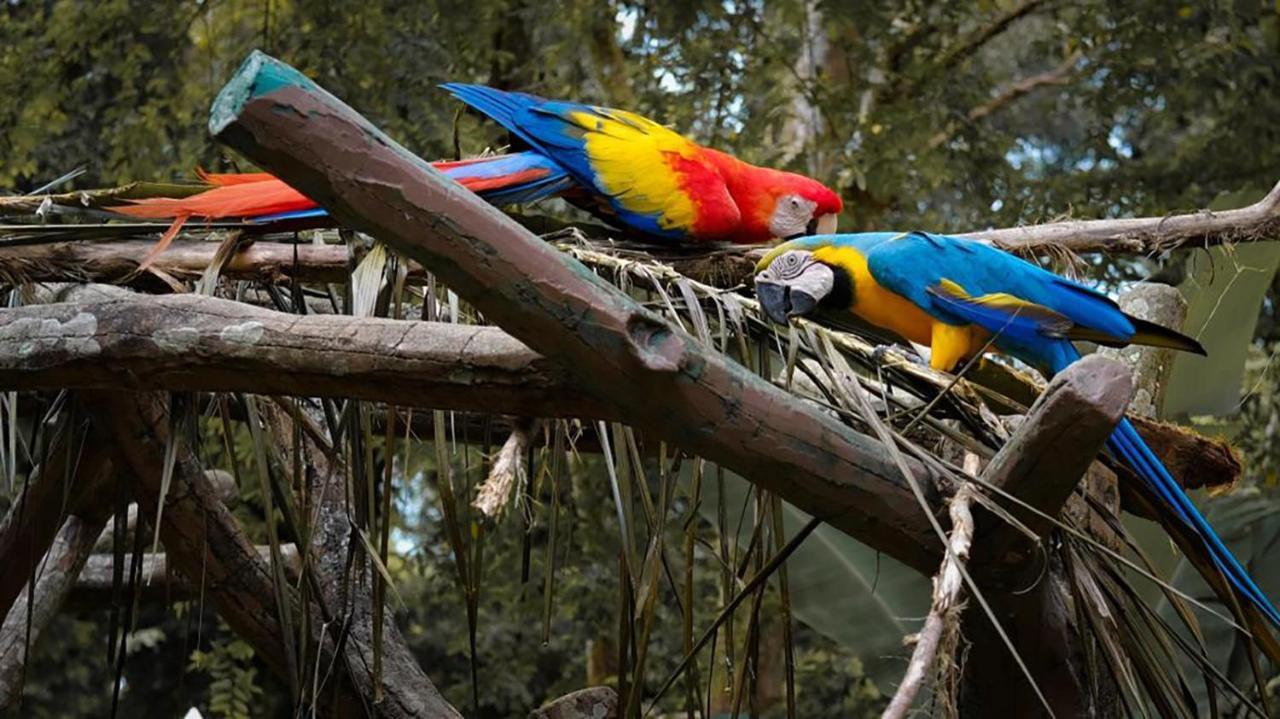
948 592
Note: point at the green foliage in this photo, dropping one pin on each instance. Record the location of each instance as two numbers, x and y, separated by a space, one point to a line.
232 677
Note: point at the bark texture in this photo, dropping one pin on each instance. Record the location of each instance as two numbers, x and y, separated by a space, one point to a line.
61 566
1027 588
198 343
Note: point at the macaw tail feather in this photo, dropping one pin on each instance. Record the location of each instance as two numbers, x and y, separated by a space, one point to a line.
1128 446
260 197
1199 542
502 106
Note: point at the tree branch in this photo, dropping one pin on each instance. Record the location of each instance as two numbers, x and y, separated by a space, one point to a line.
160 581
204 540
944 614
186 259
343 575
1259 221
981 36
1060 75
661 379
410 364
61 567
70 476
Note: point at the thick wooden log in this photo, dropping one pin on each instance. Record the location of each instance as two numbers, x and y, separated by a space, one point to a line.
197 343
660 378
1042 464
1051 450
61 567
203 539
73 472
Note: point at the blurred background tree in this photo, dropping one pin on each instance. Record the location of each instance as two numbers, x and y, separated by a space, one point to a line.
943 116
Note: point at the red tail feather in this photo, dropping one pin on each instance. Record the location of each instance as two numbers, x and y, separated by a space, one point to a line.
259 193
229 199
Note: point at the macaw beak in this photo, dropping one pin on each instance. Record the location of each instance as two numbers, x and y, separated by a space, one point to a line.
781 302
821 225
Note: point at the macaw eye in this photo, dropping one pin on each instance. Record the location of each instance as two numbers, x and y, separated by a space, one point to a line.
795 204
790 265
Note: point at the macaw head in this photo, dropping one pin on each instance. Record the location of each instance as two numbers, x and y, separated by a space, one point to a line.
777 204
801 206
792 282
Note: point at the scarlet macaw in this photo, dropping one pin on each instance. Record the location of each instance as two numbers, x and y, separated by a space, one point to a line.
953 295
621 166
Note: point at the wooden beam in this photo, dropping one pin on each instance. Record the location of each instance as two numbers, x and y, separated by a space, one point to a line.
1028 591
1043 461
198 343
661 379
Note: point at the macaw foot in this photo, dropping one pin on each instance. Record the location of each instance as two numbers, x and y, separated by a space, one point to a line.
912 353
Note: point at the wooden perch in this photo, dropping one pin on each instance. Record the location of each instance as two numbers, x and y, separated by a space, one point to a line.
1048 454
192 342
114 261
271 262
399 362
1146 235
1041 464
660 378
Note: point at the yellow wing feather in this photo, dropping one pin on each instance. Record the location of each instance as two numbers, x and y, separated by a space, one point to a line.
633 157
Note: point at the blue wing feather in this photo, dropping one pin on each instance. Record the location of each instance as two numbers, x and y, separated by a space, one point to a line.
914 263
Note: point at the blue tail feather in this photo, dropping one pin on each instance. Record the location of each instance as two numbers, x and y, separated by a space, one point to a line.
1129 447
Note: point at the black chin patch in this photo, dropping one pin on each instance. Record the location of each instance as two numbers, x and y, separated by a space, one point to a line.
841 295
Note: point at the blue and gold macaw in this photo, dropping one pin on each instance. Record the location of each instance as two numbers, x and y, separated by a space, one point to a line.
954 296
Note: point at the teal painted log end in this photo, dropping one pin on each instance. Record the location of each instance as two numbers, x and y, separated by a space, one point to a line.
259 74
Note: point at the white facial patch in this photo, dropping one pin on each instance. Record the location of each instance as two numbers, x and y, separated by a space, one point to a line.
791 216
799 270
